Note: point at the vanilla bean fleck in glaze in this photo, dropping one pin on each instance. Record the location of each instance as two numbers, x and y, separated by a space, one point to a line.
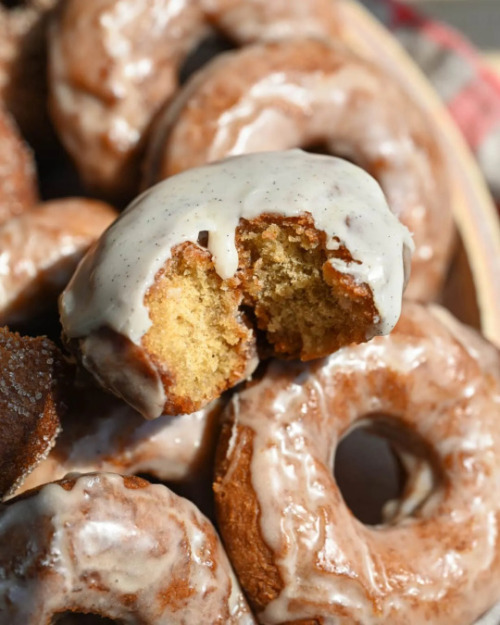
345 203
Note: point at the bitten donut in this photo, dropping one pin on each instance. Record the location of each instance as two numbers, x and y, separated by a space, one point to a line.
164 309
33 397
300 555
303 93
40 251
117 547
18 191
114 63
23 66
102 433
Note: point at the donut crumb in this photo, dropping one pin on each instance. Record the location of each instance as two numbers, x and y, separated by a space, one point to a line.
197 328
307 308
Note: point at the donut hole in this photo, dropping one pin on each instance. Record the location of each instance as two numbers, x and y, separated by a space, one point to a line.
79 618
211 46
384 471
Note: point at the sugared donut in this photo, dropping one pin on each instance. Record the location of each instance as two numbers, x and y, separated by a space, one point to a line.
302 93
158 309
114 63
300 555
102 433
18 190
117 547
33 396
23 66
40 251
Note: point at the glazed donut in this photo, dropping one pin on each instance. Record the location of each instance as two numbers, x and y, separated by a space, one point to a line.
157 310
101 433
33 396
117 547
306 558
112 64
23 67
40 251
17 171
302 93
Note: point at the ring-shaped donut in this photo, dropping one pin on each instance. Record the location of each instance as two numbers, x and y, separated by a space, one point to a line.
302 93
300 555
113 64
117 547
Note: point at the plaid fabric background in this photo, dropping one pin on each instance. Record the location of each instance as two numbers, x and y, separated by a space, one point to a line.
469 88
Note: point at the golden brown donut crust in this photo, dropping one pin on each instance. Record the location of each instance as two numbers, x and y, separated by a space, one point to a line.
18 191
23 68
41 249
33 397
323 546
112 65
306 93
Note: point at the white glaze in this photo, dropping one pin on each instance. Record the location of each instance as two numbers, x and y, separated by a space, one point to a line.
445 560
109 287
87 548
117 438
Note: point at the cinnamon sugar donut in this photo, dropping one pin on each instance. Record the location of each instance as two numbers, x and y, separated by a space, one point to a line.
101 433
114 63
40 251
300 555
301 93
23 67
117 547
18 190
158 310
33 396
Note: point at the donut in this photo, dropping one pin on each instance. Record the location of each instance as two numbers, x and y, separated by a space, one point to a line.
102 433
304 93
112 64
23 67
158 310
40 251
299 553
34 382
117 547
18 191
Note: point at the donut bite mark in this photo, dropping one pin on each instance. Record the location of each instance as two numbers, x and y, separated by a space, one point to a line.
301 246
33 398
116 547
300 555
306 93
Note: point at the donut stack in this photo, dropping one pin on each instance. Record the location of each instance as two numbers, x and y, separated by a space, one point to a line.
167 455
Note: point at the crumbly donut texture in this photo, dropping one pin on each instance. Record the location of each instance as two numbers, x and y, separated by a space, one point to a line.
306 93
158 309
117 547
300 555
40 251
32 402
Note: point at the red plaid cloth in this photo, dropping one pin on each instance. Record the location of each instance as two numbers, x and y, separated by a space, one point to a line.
470 89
